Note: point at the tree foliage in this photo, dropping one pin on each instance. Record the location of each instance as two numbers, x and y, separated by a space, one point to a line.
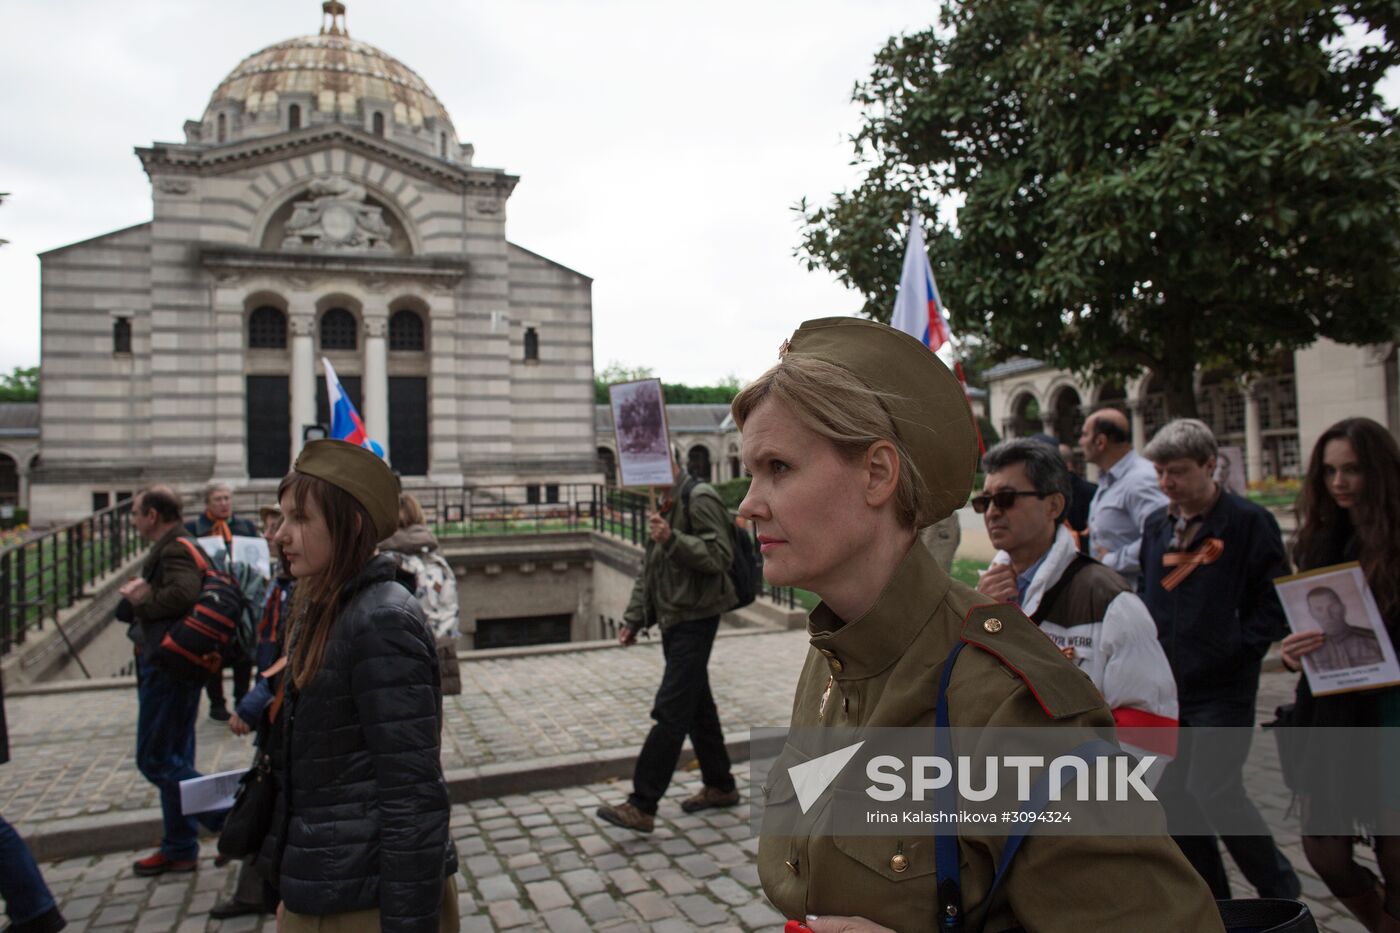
22 385
1142 185
676 393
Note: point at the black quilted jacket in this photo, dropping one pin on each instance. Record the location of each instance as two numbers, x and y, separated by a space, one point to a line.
367 824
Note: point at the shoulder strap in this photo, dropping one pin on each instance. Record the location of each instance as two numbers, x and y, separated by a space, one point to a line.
686 487
1042 611
196 552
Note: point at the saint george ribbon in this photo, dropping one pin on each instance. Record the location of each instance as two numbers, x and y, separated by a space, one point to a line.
1186 562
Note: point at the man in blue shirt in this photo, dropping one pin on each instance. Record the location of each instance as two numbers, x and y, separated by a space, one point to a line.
1127 492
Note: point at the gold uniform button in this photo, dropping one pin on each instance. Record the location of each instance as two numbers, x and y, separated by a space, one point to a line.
899 862
836 666
992 625
791 866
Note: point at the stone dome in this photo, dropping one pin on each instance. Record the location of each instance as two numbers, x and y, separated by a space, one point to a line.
328 78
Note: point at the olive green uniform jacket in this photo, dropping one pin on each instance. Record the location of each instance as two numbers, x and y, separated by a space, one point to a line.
884 669
686 578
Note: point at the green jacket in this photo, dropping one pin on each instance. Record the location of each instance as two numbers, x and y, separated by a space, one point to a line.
687 578
175 583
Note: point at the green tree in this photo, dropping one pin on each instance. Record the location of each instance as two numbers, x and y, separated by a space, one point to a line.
22 385
676 393
1142 185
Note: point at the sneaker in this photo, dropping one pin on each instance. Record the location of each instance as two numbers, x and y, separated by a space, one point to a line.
233 907
628 817
710 797
158 864
218 712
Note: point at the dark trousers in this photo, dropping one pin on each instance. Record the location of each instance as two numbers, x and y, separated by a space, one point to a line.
1204 783
21 885
684 706
165 751
242 677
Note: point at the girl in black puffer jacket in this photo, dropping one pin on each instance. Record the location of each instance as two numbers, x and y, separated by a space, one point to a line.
362 830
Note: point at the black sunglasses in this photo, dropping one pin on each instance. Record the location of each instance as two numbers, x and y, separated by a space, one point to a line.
1002 499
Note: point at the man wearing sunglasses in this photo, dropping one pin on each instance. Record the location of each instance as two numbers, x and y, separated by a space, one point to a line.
1086 608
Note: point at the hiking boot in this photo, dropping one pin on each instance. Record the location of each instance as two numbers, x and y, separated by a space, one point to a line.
710 797
628 817
158 864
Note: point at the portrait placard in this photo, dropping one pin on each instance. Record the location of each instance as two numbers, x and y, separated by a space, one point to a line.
643 439
1229 470
1356 653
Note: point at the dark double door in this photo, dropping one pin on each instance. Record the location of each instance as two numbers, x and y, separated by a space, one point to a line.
268 417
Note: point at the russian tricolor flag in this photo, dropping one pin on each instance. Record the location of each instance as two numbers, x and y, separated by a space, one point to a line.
918 311
345 420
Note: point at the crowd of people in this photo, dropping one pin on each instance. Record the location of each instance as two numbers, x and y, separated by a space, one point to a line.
1145 600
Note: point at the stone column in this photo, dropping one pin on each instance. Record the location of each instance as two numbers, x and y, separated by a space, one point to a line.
22 469
303 375
1253 436
376 384
1135 415
225 375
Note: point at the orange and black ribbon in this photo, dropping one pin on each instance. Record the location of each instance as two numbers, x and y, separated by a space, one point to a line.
1186 562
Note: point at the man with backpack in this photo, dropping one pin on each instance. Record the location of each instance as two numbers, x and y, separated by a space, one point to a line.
684 587
153 603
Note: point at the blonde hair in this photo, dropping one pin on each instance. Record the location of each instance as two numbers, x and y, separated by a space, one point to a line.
832 403
410 512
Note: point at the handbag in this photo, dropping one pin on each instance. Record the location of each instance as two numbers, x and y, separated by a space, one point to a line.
246 825
1289 740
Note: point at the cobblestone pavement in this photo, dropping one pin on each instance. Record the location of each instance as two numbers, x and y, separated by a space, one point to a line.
73 754
532 862
536 862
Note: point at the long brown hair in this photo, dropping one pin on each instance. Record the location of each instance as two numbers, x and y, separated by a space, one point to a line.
316 600
1375 516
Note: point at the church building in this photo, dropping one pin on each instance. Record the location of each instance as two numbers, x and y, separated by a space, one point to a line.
322 206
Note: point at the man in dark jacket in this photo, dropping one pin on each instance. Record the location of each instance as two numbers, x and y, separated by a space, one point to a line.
1208 564
218 519
684 587
166 590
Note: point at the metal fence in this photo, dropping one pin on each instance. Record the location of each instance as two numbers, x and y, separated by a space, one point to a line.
45 574
50 572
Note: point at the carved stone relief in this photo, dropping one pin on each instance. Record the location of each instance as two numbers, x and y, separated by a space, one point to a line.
335 217
175 185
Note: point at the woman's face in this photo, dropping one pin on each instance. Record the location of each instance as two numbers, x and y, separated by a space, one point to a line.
806 501
1341 472
304 538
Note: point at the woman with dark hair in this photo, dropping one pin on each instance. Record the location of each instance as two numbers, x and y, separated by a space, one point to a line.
362 827
1349 510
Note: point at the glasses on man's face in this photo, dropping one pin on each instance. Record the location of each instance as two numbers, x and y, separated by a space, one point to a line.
1002 499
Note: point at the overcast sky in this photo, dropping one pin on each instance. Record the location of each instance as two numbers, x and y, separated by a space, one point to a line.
660 147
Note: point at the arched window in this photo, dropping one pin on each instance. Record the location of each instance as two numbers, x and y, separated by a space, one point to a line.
406 331
223 128
294 117
378 124
532 345
121 335
338 330
267 329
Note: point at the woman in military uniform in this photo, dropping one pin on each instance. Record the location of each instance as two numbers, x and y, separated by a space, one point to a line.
856 439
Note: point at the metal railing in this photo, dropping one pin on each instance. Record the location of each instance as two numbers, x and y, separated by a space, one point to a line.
50 572
45 574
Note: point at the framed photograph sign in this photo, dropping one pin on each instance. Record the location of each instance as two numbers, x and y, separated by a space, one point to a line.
643 438
1356 653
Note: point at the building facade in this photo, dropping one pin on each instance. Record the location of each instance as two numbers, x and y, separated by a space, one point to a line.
1274 419
322 206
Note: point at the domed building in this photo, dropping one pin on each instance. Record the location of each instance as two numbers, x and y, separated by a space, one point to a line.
322 206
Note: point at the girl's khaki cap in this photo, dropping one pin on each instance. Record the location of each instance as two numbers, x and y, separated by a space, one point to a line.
360 473
925 400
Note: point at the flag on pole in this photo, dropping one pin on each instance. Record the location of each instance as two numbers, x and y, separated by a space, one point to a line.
345 420
918 310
